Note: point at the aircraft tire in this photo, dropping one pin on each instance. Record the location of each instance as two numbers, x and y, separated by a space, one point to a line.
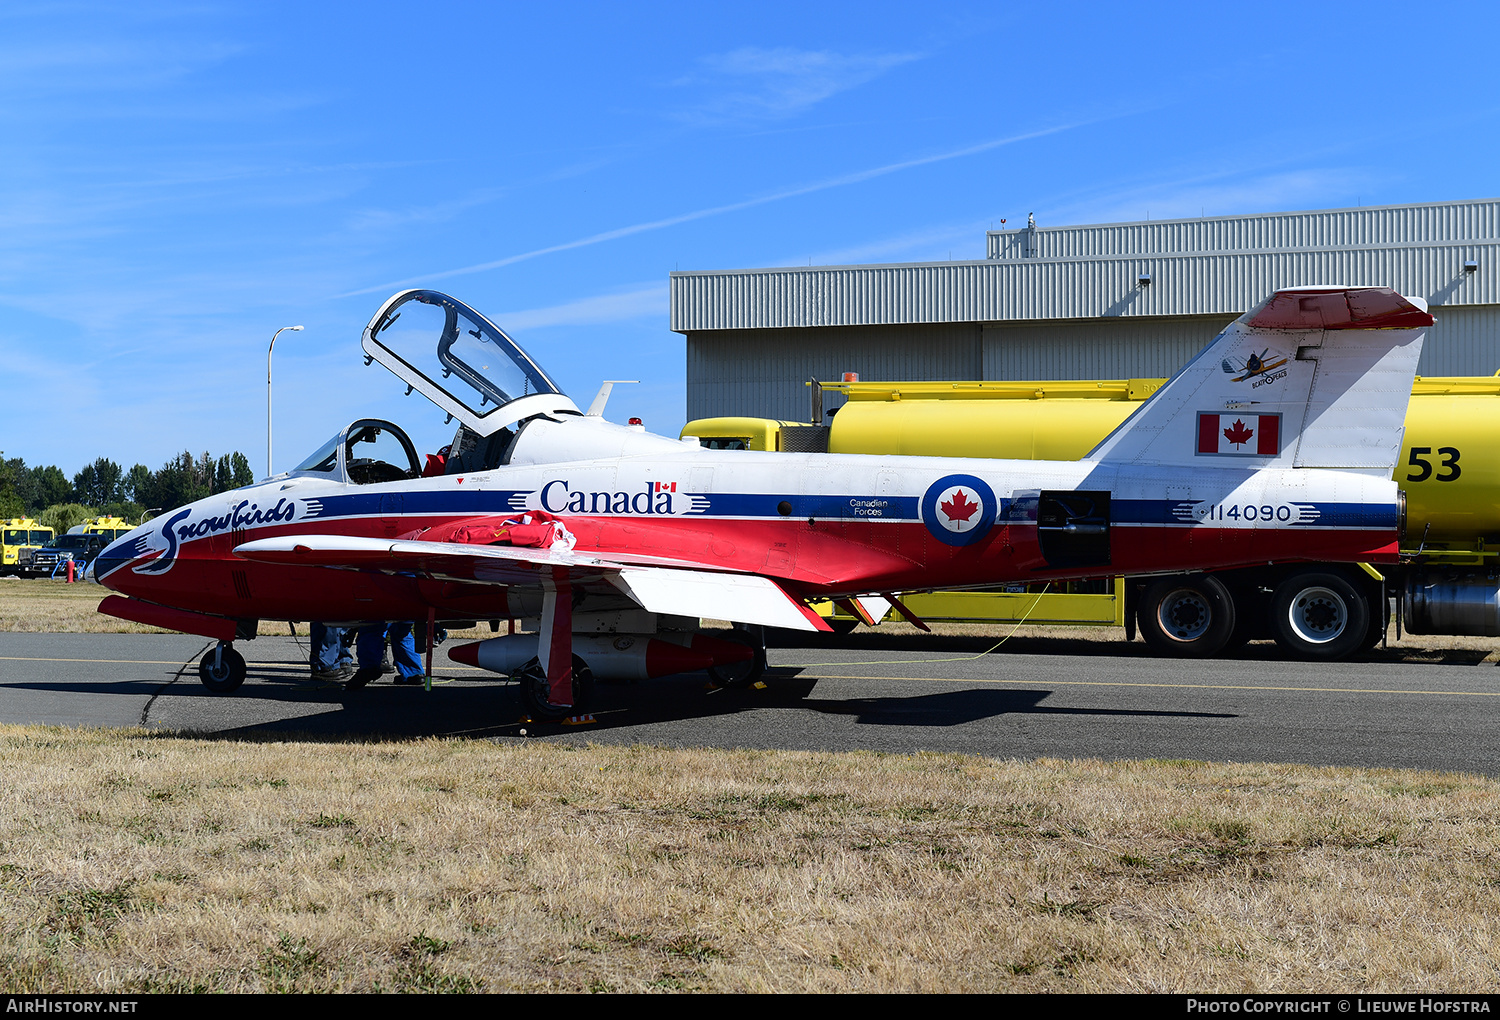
1319 616
741 674
226 679
1189 617
534 690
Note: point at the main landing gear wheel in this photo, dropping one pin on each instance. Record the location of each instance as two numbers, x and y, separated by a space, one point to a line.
222 670
1319 616
746 671
534 691
1187 617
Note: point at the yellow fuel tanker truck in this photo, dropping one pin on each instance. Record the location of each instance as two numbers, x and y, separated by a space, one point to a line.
1447 583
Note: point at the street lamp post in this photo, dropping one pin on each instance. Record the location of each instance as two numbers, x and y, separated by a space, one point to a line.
283 329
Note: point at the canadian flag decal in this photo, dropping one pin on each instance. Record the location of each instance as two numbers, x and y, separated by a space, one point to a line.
1242 435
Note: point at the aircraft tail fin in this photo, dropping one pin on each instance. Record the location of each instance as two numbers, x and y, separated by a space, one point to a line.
1315 377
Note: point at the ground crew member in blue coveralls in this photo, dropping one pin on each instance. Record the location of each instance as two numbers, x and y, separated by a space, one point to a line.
369 647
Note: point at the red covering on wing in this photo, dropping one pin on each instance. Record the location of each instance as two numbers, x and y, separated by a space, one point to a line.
533 531
1356 308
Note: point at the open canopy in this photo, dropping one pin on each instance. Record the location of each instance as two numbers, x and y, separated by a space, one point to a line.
461 361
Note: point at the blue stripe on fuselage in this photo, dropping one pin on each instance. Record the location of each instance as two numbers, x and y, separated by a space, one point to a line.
834 507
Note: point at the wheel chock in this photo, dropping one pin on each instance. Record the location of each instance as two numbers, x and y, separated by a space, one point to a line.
579 720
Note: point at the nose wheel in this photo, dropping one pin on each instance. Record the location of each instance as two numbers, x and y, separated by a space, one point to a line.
222 670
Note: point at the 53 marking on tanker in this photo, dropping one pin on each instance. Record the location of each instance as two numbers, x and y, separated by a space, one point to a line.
1423 467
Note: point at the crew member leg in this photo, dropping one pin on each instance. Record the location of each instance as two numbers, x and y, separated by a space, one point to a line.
369 645
328 653
404 651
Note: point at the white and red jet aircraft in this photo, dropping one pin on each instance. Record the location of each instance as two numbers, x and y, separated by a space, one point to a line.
1275 444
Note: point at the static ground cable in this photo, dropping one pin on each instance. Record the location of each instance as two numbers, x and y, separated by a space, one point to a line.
905 662
146 708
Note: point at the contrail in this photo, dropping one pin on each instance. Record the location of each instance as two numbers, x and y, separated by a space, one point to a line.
672 221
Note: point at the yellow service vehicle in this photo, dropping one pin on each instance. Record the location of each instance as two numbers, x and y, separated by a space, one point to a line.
110 528
1449 473
20 538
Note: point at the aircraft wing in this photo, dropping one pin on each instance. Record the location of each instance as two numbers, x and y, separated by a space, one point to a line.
675 589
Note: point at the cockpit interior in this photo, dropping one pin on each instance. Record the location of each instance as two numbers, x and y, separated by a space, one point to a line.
464 364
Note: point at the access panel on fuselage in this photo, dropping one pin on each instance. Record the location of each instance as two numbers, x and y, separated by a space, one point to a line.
1073 528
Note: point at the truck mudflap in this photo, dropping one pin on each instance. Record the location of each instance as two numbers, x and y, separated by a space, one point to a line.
217 627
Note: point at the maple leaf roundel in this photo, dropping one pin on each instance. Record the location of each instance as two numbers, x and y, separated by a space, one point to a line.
958 509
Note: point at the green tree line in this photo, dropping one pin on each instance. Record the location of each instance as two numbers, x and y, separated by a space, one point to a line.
103 487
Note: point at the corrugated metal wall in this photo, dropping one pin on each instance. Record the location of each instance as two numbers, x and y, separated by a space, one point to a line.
998 291
1066 302
1322 228
1138 348
1463 341
761 373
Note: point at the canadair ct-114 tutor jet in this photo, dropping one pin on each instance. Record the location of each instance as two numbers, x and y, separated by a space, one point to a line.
617 542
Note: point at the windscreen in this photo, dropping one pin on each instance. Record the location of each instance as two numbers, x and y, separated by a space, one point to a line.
460 352
325 459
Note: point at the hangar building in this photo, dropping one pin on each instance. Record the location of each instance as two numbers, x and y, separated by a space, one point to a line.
1110 301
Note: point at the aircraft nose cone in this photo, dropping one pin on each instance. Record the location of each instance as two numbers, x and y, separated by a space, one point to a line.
466 654
111 558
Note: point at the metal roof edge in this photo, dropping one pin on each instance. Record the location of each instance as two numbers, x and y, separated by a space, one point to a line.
1135 257
1247 217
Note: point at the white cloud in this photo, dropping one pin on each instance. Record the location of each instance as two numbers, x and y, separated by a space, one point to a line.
620 306
928 244
758 83
671 221
1215 195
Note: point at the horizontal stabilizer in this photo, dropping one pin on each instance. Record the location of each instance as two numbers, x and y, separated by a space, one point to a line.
1315 377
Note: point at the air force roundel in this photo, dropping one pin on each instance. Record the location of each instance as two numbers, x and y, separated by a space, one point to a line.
958 509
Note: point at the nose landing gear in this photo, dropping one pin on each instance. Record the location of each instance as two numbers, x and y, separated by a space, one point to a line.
222 670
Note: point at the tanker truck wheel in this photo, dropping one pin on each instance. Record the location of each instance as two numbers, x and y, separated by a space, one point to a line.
1319 616
534 690
1186 617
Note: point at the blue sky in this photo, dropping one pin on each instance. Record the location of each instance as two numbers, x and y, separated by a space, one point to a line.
179 180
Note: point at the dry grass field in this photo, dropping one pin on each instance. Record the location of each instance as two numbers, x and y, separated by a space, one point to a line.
139 862
133 862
